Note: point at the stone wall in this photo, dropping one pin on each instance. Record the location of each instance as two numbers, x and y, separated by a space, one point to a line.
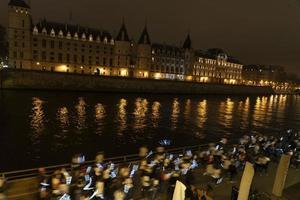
22 79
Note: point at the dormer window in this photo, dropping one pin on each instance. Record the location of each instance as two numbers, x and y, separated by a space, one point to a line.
60 34
69 35
35 30
98 38
83 37
76 36
112 42
52 33
44 31
90 38
105 40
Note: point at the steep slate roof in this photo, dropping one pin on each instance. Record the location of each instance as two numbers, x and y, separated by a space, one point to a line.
165 49
233 60
123 34
72 28
145 38
213 53
187 43
19 3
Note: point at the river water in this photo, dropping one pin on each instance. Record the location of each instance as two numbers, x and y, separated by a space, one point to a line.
45 128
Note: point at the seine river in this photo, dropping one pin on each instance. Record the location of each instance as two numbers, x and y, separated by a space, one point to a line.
45 128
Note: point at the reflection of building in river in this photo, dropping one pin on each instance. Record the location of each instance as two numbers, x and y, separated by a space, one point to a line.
37 116
122 116
175 113
187 111
140 111
202 113
155 113
226 113
81 113
245 109
63 118
100 114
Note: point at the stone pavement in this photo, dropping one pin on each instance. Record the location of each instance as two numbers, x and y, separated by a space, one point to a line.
27 188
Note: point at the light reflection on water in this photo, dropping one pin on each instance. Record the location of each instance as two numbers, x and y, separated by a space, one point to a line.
63 118
92 122
265 109
81 114
141 109
175 113
202 113
37 117
99 118
122 116
155 113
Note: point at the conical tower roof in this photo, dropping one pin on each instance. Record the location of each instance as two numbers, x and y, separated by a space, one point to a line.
123 34
145 38
187 43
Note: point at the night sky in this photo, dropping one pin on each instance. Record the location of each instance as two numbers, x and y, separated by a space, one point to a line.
254 31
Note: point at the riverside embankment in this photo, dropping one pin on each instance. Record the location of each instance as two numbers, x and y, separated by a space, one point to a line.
39 80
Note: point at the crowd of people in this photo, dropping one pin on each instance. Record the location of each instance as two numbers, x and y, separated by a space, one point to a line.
155 174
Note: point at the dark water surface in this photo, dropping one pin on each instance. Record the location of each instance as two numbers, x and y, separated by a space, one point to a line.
43 128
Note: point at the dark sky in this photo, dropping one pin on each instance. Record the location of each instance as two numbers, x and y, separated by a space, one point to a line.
255 31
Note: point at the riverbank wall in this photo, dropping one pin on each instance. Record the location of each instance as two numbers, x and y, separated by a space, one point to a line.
39 80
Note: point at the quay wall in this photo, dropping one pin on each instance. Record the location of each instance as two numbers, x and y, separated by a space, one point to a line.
39 80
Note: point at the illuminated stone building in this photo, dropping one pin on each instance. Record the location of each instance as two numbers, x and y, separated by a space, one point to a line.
263 75
71 48
167 62
216 66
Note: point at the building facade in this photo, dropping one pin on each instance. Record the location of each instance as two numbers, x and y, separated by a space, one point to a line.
71 48
263 74
214 65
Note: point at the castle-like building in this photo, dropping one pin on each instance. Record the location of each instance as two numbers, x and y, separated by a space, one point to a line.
70 48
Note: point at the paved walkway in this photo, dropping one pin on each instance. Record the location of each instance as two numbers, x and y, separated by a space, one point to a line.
27 188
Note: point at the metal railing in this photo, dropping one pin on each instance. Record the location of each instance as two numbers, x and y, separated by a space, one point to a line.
33 173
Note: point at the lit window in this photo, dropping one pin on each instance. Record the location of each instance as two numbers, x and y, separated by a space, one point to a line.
105 40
